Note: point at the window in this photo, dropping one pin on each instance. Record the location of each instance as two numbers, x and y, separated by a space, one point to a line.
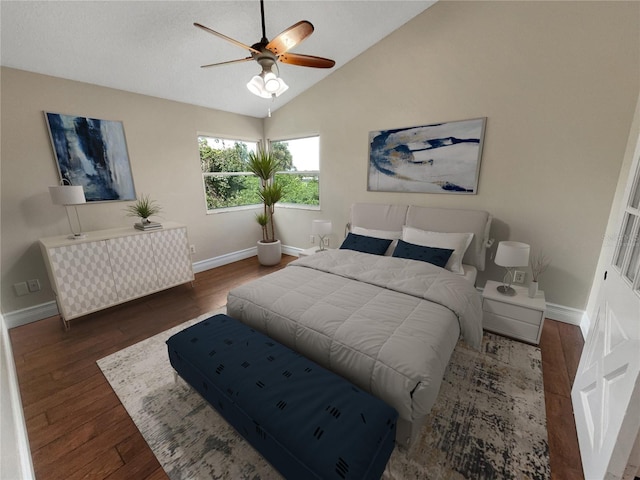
227 183
300 175
627 256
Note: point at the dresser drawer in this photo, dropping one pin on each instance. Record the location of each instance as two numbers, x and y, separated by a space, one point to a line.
523 314
511 328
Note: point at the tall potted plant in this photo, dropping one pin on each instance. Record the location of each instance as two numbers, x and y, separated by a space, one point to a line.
265 165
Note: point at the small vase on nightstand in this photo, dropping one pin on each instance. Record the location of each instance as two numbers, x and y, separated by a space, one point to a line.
533 289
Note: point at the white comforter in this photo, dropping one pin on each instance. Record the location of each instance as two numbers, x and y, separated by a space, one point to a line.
387 324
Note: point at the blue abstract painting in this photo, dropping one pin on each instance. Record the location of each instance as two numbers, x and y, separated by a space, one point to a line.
438 158
92 153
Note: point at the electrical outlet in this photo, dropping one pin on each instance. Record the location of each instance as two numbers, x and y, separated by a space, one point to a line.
312 239
21 288
34 285
192 249
518 276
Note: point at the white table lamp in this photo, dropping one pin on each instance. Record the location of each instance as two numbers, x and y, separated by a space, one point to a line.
69 195
511 255
321 228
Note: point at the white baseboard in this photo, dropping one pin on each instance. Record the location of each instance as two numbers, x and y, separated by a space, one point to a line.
15 461
49 309
564 314
30 314
560 313
237 256
293 251
210 263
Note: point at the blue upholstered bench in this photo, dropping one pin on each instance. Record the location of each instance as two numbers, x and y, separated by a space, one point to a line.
306 421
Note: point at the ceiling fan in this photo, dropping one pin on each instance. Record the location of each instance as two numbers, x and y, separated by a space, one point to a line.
268 53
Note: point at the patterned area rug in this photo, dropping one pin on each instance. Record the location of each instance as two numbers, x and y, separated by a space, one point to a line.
488 422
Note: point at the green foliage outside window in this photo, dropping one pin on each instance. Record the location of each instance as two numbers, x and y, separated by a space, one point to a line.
299 189
239 187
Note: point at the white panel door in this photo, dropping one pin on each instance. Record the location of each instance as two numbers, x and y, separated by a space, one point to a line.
606 392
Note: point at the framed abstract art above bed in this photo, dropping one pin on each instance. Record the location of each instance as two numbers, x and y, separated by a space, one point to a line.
92 153
437 158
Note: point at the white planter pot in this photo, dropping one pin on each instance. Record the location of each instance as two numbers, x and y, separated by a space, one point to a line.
533 289
269 253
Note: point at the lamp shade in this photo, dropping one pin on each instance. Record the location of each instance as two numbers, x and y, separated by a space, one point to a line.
267 85
512 254
67 195
321 227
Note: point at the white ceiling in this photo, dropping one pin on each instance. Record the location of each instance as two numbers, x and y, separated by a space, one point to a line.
152 47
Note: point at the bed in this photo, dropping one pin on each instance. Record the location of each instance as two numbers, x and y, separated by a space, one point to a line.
386 323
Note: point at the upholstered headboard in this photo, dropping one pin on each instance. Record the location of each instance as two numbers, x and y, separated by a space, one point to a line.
379 216
449 220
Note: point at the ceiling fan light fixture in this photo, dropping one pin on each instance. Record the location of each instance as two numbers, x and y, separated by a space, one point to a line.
271 82
256 86
267 85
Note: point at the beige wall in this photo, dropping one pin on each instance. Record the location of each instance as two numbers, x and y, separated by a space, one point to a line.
558 82
163 150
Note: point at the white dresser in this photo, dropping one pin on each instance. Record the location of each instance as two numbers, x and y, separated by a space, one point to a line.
113 266
518 316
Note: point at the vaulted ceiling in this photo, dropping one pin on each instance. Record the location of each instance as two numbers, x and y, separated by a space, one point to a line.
152 47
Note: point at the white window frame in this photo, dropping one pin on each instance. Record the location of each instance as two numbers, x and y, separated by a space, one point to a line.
225 174
316 173
629 240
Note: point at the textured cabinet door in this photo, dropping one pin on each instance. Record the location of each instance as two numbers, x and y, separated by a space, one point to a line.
133 266
83 278
114 266
172 257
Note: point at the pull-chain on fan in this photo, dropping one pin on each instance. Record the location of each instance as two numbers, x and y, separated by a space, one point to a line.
268 53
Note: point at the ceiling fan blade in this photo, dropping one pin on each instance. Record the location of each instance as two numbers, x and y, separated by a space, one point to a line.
228 39
306 60
291 37
240 60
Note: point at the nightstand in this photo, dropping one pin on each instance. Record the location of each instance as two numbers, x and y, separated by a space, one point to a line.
518 316
309 251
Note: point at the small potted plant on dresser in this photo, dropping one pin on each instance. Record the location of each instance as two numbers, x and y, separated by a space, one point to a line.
144 208
539 263
264 165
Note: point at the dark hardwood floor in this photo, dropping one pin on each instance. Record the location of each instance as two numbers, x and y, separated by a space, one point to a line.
79 429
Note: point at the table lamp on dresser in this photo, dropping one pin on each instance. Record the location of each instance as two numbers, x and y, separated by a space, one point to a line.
69 195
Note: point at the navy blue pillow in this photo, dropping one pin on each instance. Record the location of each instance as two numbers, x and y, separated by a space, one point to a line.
436 256
364 244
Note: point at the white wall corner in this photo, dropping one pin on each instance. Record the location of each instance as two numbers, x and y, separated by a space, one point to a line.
15 456
585 325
